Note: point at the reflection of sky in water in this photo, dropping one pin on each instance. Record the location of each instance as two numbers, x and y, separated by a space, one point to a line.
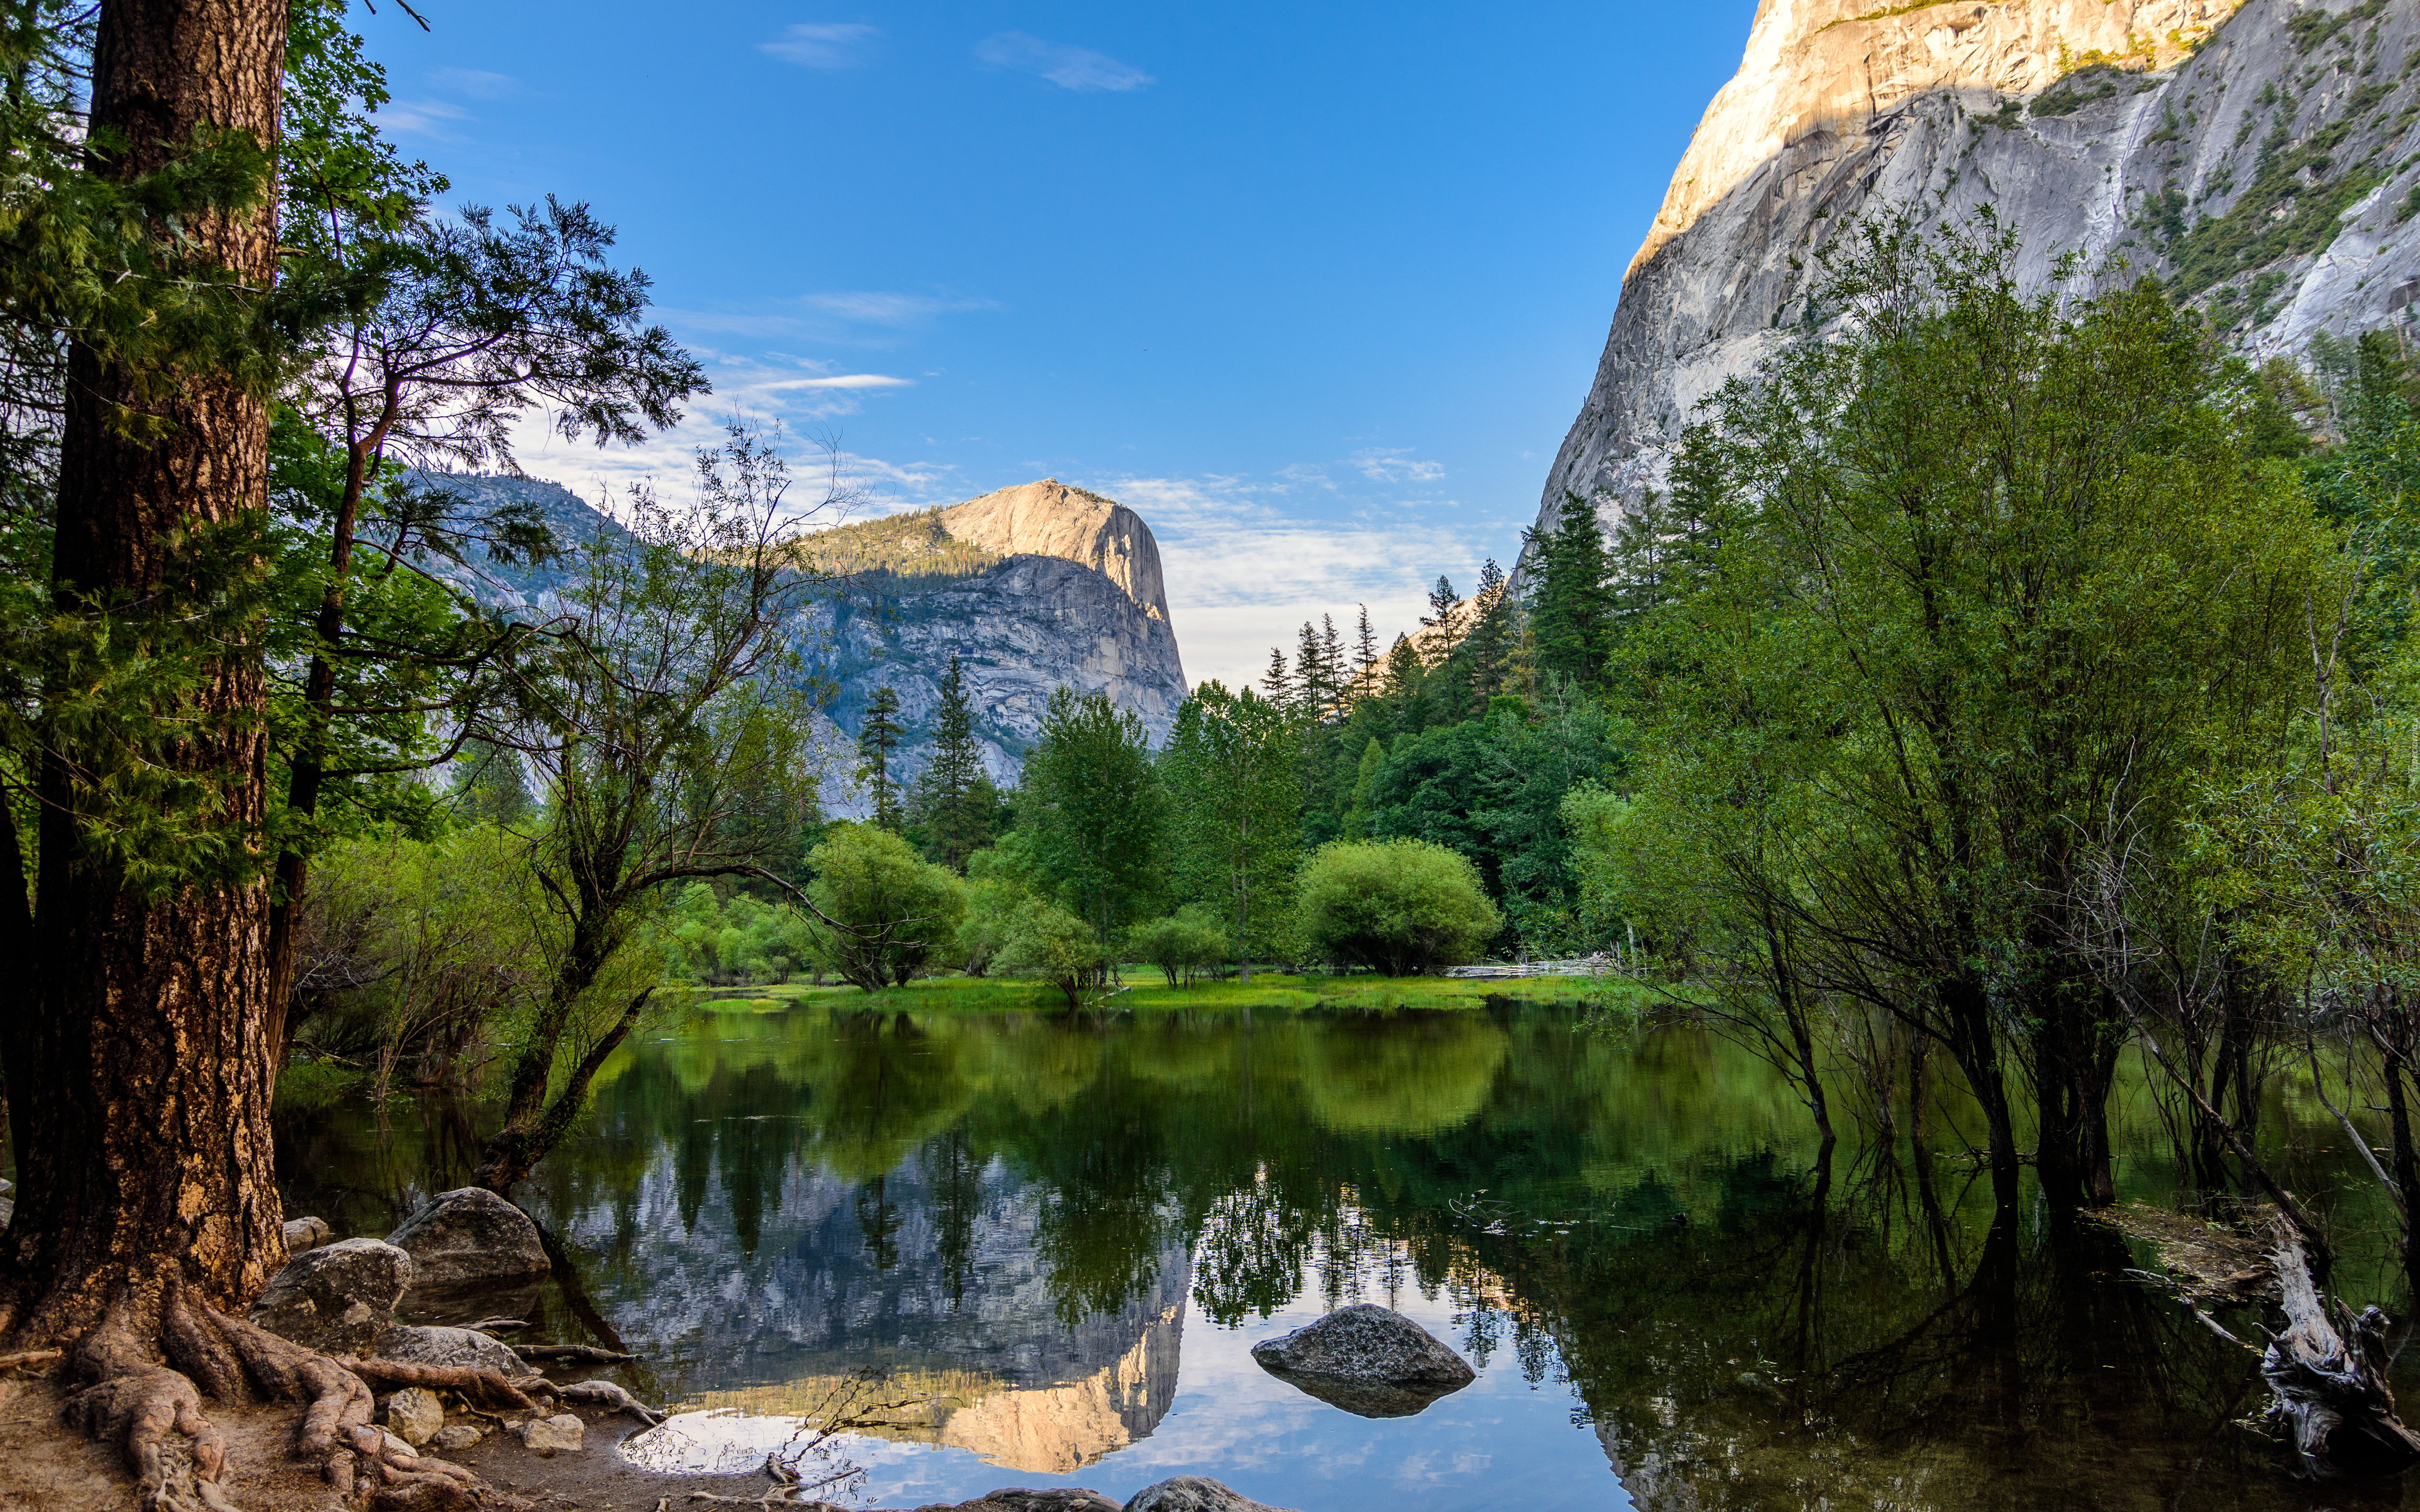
1499 1443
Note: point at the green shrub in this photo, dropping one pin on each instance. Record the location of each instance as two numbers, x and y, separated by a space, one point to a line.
895 910
1180 944
1403 906
1046 941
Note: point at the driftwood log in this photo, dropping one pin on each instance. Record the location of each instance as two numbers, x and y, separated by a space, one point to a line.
2327 1373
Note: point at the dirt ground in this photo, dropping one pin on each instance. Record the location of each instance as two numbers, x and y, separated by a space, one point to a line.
45 1467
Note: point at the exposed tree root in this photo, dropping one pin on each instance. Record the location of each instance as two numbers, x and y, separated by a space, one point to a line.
152 1410
484 1386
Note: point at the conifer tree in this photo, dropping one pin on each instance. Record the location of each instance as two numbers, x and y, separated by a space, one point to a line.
1443 601
1312 685
1332 655
1366 651
1486 645
1571 609
952 795
877 738
1278 682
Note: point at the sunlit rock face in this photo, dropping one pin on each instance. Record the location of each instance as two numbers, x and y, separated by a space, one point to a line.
1939 109
1064 589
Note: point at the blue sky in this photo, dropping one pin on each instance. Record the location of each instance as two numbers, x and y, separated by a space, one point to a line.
1317 288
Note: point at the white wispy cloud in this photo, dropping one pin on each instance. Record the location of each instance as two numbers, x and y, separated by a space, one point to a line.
852 318
824 45
1078 68
421 117
842 380
1245 565
1395 464
475 83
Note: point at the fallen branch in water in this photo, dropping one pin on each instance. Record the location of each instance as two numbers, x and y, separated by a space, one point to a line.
610 1396
2328 1374
584 1353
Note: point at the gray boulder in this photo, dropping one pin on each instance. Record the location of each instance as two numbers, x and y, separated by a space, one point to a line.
548 1435
457 1436
305 1234
336 1298
1195 1493
414 1415
462 1348
470 1236
1368 1359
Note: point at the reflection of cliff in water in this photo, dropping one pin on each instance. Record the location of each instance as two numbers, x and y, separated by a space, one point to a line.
1049 1430
935 1275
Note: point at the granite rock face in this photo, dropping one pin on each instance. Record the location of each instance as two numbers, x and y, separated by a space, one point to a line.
1067 590
2259 156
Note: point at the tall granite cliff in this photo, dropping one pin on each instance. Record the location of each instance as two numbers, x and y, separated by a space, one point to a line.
1062 586
1030 588
2258 157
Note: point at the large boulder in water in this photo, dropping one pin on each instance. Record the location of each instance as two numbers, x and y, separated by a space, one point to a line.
471 1238
1194 1493
1368 1359
336 1298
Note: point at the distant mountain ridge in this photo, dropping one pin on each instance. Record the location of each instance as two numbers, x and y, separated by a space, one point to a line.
1030 587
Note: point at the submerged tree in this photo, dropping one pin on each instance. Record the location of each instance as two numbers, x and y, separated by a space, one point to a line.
1945 650
665 715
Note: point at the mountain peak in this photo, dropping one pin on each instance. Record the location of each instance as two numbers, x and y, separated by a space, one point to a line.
1050 518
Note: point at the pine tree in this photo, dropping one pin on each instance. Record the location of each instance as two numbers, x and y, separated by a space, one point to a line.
1278 683
952 796
1443 601
1485 646
877 738
1311 673
1571 609
1366 653
1332 657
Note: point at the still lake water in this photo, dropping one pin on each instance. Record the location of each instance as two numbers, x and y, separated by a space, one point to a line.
1061 1237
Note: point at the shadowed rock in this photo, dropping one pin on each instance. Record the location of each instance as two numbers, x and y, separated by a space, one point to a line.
470 1236
462 1348
336 1298
1367 1360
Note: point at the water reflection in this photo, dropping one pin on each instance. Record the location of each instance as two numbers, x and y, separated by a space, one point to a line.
1012 1217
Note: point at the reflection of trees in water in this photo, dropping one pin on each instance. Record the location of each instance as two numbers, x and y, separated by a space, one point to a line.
1745 1324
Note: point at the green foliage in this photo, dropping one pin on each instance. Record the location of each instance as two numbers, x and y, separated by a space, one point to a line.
1231 773
1570 603
1046 941
2280 214
736 940
1401 906
1997 590
1180 944
1096 810
910 546
2078 89
954 800
887 912
419 951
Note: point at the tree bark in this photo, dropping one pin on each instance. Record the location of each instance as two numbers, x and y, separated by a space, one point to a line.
137 1057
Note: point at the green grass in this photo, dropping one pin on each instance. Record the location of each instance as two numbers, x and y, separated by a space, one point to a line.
1146 990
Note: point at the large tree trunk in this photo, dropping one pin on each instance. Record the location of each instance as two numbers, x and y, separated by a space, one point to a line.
137 1056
